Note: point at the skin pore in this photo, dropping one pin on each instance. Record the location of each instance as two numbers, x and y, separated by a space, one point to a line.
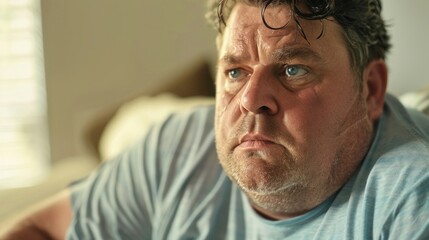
291 123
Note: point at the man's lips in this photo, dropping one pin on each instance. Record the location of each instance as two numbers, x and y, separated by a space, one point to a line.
255 141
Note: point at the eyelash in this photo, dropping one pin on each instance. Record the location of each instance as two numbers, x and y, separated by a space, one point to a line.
230 71
299 67
282 73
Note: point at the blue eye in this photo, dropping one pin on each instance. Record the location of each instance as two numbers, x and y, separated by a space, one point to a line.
295 71
234 73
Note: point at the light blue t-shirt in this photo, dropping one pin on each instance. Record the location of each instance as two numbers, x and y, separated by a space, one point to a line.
171 186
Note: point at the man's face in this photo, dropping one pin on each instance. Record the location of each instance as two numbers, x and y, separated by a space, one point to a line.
291 125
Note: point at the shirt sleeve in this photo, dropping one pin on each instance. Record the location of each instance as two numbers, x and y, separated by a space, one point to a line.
409 219
126 197
117 201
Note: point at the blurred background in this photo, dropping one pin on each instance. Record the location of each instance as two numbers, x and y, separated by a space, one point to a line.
78 58
101 52
65 63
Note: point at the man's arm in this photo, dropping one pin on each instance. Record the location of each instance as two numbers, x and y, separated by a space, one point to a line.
47 220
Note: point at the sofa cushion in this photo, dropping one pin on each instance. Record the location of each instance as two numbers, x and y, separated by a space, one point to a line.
134 119
196 80
418 100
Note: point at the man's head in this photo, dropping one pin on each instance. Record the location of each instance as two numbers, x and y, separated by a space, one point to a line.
363 27
291 124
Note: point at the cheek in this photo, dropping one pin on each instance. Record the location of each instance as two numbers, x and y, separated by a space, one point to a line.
314 122
226 112
227 103
328 118
303 116
306 134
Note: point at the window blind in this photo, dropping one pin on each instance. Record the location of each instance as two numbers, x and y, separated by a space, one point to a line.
24 149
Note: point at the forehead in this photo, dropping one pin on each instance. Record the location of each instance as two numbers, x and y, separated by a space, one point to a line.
245 28
245 19
275 15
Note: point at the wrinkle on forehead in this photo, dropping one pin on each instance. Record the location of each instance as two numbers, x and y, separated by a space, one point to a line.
247 31
248 16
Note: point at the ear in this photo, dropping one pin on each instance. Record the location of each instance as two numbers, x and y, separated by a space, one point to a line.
374 88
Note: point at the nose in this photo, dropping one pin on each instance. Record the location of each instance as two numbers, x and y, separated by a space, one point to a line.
259 95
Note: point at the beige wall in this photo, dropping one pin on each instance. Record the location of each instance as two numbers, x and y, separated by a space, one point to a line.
99 52
408 61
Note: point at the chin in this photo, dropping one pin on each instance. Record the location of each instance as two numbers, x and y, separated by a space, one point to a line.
262 177
289 199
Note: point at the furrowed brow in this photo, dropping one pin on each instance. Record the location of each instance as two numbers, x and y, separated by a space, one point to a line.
230 59
293 52
281 55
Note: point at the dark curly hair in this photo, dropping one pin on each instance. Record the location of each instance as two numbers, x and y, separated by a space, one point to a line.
363 27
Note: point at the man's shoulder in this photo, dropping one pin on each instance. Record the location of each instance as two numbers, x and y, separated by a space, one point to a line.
401 140
186 135
411 120
192 123
399 155
402 131
391 185
195 114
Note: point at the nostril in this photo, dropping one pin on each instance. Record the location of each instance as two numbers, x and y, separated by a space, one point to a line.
264 109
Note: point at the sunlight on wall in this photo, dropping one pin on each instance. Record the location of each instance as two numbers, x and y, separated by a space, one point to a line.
24 150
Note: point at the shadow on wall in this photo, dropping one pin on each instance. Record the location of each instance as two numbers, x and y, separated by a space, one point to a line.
99 53
196 80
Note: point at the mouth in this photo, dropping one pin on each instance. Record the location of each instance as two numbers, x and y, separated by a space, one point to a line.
255 142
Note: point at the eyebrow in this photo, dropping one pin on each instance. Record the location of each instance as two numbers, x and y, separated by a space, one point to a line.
293 52
232 59
279 55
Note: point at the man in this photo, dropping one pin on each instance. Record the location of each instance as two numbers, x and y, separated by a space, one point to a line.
309 145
